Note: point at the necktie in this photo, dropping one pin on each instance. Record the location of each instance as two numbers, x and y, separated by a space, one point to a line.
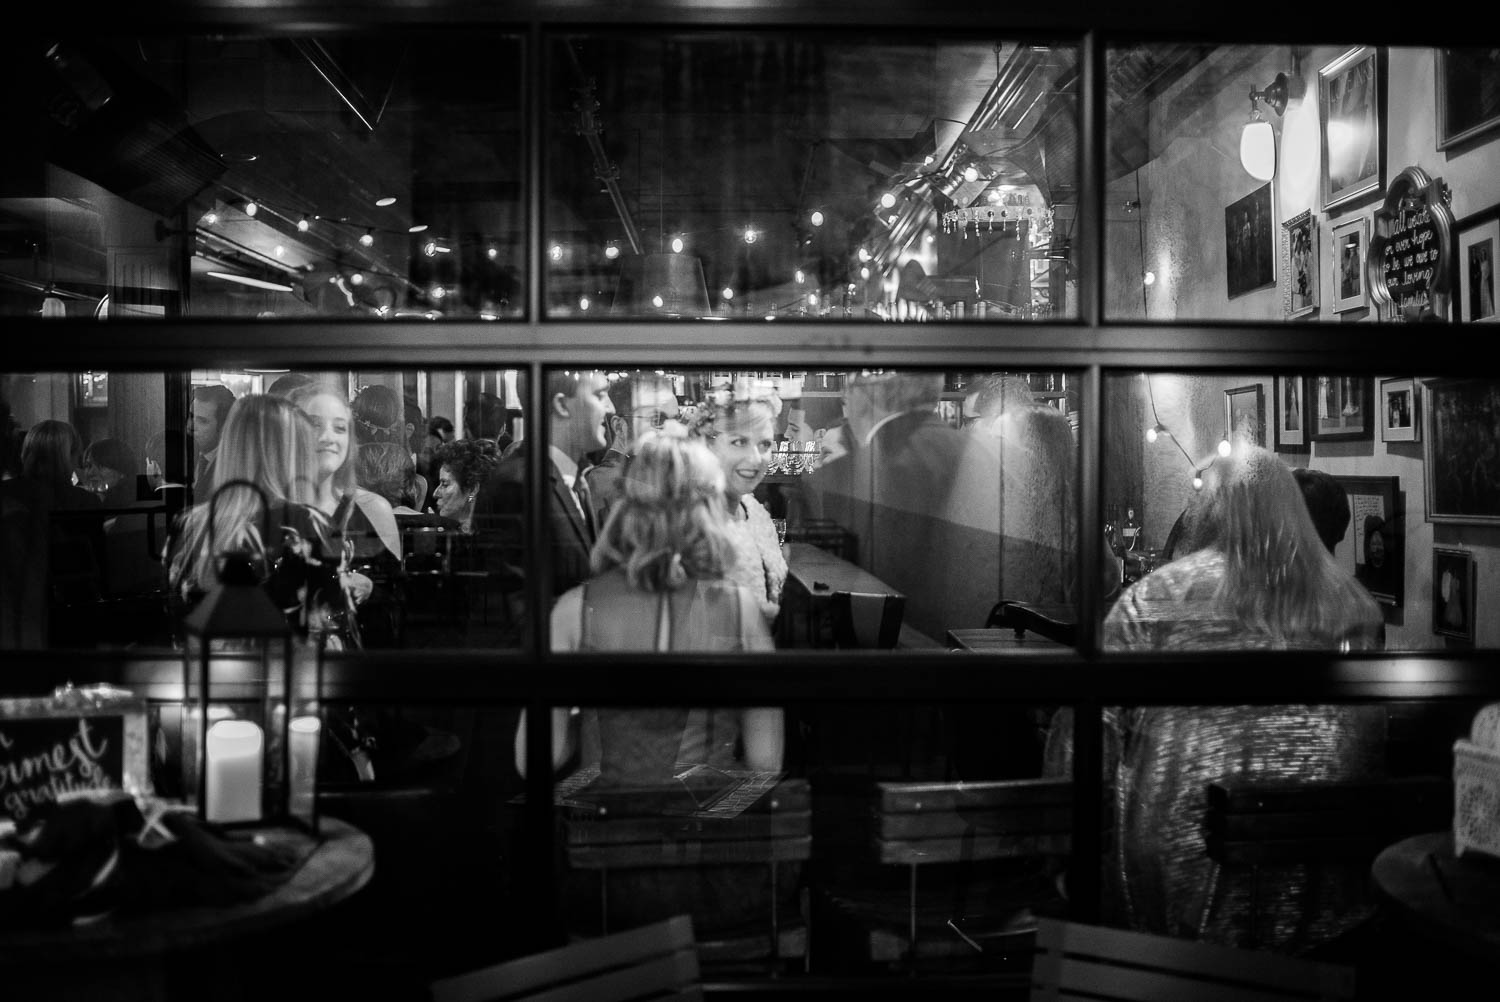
586 502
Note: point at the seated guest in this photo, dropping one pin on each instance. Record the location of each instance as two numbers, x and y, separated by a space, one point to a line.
1260 577
377 413
110 464
642 401
50 458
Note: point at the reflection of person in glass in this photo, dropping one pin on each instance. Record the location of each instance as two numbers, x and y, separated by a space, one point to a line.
1293 419
1373 568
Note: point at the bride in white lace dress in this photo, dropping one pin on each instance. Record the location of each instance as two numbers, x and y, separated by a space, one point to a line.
741 433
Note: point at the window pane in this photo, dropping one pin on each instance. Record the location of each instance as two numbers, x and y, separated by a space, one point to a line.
1315 199
809 176
851 509
236 176
375 476
1362 546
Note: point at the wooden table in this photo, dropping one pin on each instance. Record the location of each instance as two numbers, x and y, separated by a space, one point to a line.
1452 900
817 576
129 955
1001 640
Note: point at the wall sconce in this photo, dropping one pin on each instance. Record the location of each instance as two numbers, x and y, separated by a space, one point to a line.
1258 139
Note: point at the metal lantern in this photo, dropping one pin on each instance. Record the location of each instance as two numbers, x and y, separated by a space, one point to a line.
251 726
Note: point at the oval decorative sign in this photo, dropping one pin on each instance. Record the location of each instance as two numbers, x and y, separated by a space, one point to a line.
1409 262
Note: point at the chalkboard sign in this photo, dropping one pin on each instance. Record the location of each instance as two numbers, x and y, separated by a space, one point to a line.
1410 259
74 741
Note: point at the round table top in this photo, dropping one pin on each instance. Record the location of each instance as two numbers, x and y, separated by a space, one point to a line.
1452 898
338 866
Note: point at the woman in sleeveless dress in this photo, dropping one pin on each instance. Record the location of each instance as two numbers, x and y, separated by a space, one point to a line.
741 433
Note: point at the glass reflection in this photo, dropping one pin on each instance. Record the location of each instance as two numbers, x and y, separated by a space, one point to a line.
821 184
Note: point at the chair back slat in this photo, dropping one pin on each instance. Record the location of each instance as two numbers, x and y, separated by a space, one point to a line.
1094 962
656 961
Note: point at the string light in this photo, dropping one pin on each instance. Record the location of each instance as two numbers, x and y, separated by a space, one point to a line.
677 245
611 250
728 293
417 228
210 218
251 208
386 200
303 224
817 218
888 200
368 239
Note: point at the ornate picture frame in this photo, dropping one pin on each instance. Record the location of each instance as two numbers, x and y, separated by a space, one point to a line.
1351 119
1467 82
1301 265
1463 480
1291 412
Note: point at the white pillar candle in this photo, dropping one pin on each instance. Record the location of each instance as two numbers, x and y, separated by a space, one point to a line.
234 752
304 762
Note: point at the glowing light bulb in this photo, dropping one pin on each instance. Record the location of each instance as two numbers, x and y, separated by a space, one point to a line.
656 301
1150 278
491 253
556 252
438 292
864 273
1224 447
800 277
357 278
302 225
251 208
888 200
728 293
864 254
817 218
430 248
417 228
971 174
612 251
812 299
583 303
368 239
210 217
279 251
385 200
1197 482
750 235
676 245
1151 434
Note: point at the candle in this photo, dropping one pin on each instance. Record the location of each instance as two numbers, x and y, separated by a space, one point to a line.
304 763
233 758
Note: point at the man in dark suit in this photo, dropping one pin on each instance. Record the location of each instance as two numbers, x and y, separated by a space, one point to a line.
577 405
211 405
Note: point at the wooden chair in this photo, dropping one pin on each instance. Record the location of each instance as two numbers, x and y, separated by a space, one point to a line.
1021 616
987 849
654 962
1075 961
1258 823
774 830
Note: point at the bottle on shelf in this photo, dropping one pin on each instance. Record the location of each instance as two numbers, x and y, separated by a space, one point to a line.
1130 540
1130 532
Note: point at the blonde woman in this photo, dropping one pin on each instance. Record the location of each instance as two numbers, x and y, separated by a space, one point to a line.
1260 578
741 434
270 443
663 582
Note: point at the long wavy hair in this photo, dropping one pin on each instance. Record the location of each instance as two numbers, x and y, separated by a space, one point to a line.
668 526
269 442
345 478
51 453
1279 577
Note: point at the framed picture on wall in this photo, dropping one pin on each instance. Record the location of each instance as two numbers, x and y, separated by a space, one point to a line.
1400 417
1290 412
1478 244
1468 94
1302 265
1340 408
1459 450
1250 242
1374 547
1245 415
1453 593
1352 125
1350 241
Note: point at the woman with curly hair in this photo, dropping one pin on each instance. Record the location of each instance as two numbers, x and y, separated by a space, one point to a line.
462 468
741 434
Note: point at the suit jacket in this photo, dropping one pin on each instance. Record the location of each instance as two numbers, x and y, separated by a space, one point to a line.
498 513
